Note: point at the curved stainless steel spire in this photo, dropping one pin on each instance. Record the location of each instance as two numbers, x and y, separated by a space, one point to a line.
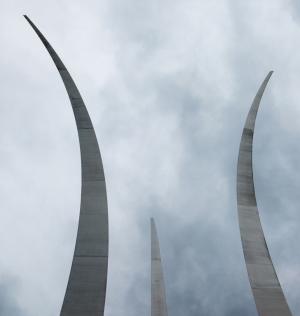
267 292
86 289
158 293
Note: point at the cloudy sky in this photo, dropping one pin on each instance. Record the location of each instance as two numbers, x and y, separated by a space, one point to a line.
168 85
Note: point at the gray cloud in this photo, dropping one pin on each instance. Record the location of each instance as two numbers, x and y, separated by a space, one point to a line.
8 292
168 86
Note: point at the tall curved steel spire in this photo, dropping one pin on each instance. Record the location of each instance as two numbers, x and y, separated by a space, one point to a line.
158 293
267 291
86 289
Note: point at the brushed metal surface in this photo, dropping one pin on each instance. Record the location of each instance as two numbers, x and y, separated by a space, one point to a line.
158 293
86 289
266 289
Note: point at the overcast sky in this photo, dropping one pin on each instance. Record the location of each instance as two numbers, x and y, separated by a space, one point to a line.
168 85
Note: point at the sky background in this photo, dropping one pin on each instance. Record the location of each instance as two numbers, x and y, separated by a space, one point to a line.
168 85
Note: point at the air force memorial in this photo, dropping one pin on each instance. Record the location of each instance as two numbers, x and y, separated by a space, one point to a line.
86 288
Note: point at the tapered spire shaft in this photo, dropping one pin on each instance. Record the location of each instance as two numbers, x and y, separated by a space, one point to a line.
267 291
158 293
86 289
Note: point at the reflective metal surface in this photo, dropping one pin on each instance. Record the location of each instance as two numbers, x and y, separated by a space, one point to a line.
158 293
267 292
86 289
